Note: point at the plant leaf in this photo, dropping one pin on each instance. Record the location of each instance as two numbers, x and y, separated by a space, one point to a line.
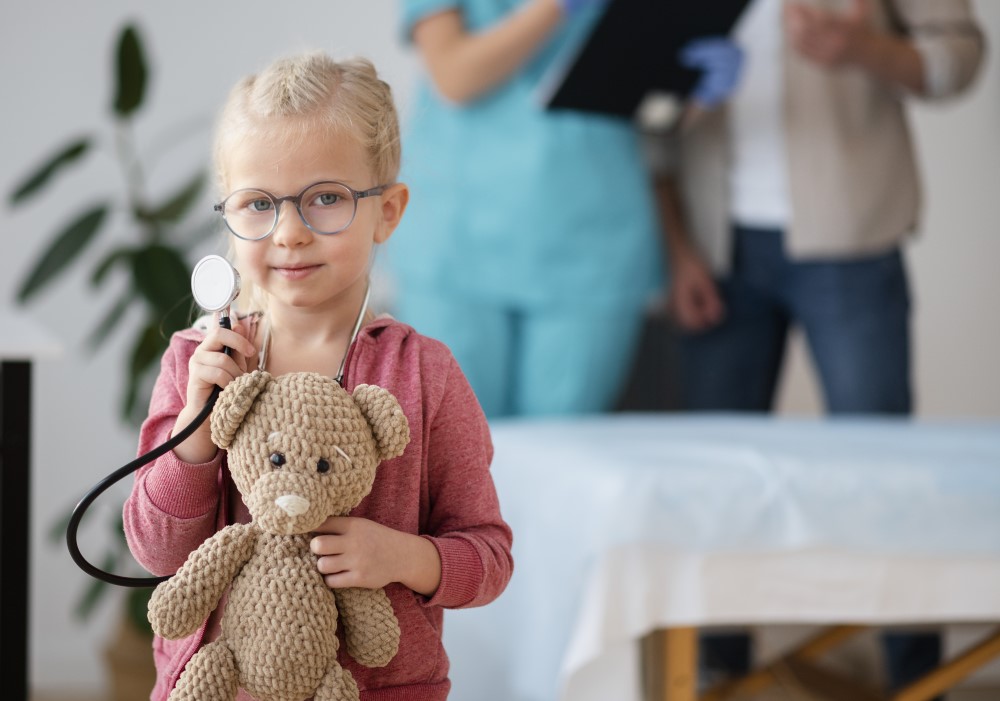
131 73
110 321
137 601
161 275
94 592
57 532
43 174
66 246
178 205
102 269
147 349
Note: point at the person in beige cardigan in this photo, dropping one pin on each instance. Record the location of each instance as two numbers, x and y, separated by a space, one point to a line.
788 204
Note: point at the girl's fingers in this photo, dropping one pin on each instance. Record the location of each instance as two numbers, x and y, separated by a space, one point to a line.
324 545
241 361
215 368
331 564
243 329
342 580
220 338
209 367
213 376
213 363
215 358
335 525
210 350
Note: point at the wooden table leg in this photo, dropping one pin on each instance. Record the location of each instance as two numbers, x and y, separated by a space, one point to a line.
675 667
952 672
760 679
680 664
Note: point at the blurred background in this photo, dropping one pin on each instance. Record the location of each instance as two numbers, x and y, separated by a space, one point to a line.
57 84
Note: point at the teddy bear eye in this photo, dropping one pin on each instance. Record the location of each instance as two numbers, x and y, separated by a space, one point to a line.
277 459
322 465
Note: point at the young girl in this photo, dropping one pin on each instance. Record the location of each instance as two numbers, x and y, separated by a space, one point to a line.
307 154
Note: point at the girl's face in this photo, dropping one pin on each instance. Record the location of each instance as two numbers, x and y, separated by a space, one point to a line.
295 266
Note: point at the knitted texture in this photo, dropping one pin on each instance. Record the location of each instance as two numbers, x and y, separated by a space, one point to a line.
214 672
301 449
384 413
365 611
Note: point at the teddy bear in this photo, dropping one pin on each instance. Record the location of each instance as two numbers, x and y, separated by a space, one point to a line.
300 449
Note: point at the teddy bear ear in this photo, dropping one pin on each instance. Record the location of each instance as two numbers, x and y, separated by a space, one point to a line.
386 418
234 403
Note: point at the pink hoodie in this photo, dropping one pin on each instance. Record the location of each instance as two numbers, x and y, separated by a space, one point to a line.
440 488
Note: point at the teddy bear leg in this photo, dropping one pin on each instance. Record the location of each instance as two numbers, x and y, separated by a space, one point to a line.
337 685
209 676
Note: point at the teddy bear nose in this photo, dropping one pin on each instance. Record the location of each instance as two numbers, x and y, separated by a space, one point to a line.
292 504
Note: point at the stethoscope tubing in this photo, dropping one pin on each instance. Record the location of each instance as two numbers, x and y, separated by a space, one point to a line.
77 516
81 508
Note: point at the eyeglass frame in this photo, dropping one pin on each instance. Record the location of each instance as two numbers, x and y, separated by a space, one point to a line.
220 207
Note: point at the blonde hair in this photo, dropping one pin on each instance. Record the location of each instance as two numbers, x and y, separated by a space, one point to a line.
300 94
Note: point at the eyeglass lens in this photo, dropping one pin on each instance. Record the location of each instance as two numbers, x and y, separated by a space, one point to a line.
325 207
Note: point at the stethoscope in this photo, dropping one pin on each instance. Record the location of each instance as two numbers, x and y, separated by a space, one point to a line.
215 284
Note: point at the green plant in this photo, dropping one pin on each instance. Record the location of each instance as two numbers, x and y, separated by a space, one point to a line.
115 557
153 252
150 250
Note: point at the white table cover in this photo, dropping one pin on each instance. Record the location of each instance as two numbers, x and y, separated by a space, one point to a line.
625 523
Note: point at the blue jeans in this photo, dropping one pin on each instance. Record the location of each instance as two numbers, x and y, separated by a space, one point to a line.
855 317
854 314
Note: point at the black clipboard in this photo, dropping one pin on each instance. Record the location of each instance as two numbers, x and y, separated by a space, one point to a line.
632 51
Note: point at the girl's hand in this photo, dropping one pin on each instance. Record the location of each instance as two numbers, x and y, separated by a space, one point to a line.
357 552
209 366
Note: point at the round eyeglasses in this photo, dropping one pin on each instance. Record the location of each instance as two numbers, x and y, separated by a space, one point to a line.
325 208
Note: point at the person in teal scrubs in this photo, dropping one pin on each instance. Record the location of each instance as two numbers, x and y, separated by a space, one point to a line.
530 246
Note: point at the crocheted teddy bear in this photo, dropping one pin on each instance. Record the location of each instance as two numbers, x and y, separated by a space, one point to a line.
301 448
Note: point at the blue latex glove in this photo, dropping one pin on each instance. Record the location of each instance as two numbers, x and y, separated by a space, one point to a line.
720 62
571 7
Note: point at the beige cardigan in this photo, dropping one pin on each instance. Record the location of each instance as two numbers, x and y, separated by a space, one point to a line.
852 171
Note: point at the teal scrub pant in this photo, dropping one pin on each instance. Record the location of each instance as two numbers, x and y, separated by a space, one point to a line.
531 362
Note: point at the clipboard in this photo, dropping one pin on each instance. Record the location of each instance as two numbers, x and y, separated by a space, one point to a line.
632 51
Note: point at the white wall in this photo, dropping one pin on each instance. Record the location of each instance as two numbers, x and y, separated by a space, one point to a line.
56 83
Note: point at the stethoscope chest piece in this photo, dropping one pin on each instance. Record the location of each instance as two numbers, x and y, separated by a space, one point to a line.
214 283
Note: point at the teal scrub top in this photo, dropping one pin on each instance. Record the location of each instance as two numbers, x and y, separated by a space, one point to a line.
512 203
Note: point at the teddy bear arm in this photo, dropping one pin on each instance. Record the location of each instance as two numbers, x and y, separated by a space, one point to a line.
371 630
182 603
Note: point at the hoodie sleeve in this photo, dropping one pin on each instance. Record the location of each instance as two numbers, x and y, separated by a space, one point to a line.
465 524
173 505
